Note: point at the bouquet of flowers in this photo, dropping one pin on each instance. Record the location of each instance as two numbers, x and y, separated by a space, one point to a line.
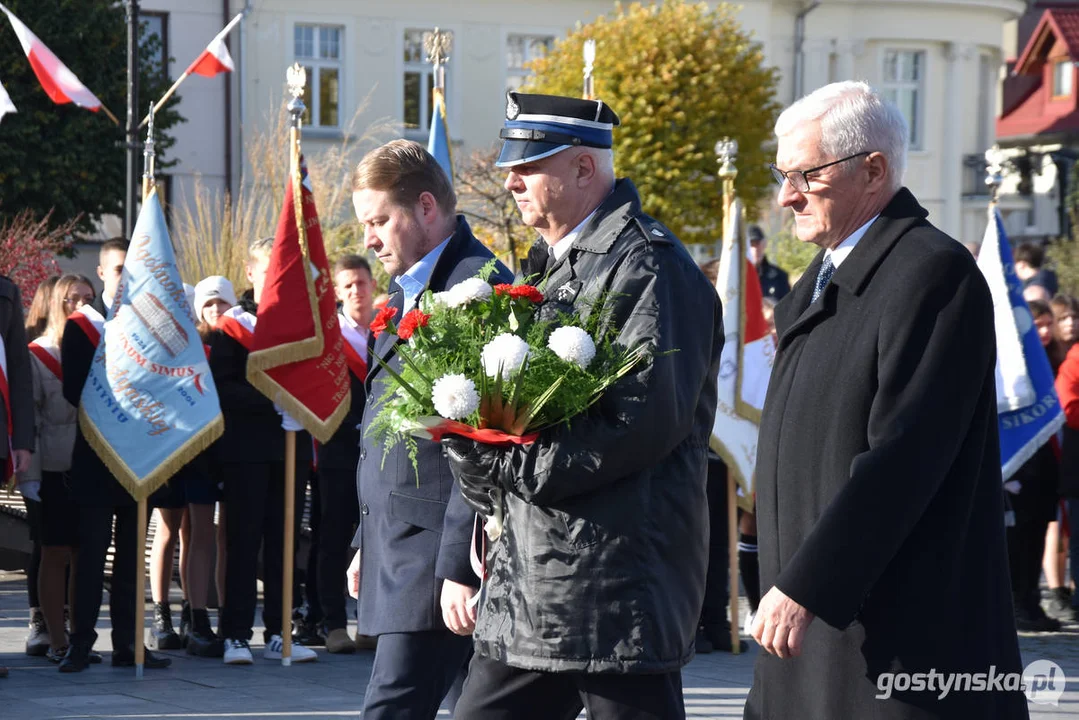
478 362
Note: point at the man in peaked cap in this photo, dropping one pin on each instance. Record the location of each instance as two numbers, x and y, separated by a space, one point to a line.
594 588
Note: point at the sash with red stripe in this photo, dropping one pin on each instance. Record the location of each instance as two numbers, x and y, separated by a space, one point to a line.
355 348
48 356
239 325
90 321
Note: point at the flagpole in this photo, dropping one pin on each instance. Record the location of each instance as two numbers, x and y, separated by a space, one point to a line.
187 73
131 131
164 98
727 149
297 78
140 547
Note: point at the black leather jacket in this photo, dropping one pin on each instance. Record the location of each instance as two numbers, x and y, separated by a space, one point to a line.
601 565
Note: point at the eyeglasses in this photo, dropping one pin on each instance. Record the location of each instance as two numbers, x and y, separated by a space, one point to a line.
79 300
799 179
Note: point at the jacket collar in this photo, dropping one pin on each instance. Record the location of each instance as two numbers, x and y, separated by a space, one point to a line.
795 311
611 217
386 343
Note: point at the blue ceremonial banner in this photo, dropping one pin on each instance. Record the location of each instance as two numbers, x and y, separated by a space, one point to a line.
438 143
149 404
1028 410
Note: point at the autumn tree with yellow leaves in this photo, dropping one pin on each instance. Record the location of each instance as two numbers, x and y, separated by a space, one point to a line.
681 76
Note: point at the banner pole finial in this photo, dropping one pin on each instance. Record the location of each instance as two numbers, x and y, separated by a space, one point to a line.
589 67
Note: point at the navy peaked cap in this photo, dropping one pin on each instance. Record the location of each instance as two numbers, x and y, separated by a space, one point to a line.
538 126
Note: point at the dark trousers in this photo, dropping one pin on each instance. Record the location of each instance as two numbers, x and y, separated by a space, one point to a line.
1072 505
496 691
95 534
339 511
33 520
716 580
309 595
254 496
414 672
1026 547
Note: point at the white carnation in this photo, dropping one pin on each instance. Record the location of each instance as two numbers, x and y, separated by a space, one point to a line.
506 351
467 291
574 345
455 397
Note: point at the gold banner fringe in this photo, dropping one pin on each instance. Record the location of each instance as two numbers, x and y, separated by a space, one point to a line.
745 500
142 489
322 430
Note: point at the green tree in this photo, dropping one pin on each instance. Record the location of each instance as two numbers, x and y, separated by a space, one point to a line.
61 158
681 76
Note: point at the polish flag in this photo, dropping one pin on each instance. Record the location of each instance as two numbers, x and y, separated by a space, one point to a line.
59 83
6 106
215 58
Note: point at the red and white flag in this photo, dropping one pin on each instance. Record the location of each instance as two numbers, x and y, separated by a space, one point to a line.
6 106
297 355
215 58
746 363
59 83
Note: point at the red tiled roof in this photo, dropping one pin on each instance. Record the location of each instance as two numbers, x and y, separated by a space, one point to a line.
1062 23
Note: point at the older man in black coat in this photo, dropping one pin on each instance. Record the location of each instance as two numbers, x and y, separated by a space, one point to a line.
879 502
415 576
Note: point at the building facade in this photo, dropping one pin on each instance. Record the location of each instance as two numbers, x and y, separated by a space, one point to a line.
938 59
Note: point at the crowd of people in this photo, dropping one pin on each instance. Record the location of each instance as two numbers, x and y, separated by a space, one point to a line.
72 500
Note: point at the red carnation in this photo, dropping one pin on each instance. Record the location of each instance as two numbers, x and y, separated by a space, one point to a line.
385 315
412 320
528 292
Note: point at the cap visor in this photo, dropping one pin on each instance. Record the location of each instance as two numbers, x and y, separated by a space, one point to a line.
517 152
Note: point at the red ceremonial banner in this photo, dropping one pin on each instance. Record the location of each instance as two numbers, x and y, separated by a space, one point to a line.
297 354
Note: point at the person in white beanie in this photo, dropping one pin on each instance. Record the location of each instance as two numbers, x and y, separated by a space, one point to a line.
213 296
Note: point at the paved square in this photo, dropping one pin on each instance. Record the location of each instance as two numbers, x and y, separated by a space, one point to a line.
201 689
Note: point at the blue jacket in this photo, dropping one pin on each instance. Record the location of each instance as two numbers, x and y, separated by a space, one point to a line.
413 535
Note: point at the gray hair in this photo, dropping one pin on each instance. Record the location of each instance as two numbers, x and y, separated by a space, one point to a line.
853 118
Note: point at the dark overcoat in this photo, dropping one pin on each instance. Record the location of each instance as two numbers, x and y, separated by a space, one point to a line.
412 534
879 499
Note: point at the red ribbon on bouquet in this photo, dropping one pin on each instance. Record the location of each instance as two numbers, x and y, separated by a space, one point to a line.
435 428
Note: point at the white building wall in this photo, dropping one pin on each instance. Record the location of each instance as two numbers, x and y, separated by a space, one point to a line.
844 40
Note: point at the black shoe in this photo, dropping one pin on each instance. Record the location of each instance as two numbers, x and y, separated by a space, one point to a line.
126 658
185 623
720 637
306 633
76 660
161 636
1034 619
702 644
1060 603
201 640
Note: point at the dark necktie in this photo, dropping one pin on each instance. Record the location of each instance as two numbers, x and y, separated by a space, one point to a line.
827 269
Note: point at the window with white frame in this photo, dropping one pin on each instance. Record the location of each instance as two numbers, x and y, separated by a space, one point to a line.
1062 78
521 50
903 83
318 49
419 82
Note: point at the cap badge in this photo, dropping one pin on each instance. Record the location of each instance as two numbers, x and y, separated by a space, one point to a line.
512 108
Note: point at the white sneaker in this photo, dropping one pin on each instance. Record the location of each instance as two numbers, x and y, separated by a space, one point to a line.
748 629
237 652
37 640
300 654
